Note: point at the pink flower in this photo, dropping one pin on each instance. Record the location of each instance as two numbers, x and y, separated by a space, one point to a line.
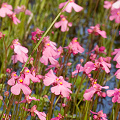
29 76
5 10
99 115
58 117
117 56
22 9
28 99
63 23
15 89
41 115
95 89
71 5
49 52
115 93
115 14
108 4
116 5
14 19
74 47
96 30
60 85
13 78
104 64
79 68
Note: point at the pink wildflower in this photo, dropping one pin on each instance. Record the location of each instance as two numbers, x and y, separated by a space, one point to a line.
15 89
41 115
117 56
5 10
13 78
29 76
59 83
74 47
49 53
14 19
115 93
79 68
116 5
28 99
71 5
99 115
63 23
96 30
95 89
108 4
115 14
59 116
22 9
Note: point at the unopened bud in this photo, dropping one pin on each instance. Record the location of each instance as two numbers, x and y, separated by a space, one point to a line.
6 93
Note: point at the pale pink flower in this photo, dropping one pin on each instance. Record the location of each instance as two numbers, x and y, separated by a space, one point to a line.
116 4
63 23
5 10
29 76
117 56
13 78
115 14
115 93
95 89
79 68
41 115
15 89
71 5
28 99
108 4
96 30
99 115
74 47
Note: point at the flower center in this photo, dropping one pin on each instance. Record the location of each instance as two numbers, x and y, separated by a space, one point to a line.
14 74
58 49
118 13
71 0
27 71
61 83
75 40
57 115
57 79
21 80
95 82
63 19
5 5
48 44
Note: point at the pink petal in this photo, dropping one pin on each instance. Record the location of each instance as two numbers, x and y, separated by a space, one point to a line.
77 8
16 89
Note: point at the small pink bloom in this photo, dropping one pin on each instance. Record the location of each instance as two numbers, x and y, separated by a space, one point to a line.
63 23
95 89
96 30
117 56
15 89
115 93
99 115
5 10
41 115
115 14
79 68
108 4
71 5
13 78
74 47
29 76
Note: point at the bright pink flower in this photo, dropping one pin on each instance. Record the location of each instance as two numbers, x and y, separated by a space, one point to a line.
104 64
115 93
15 89
115 14
59 52
63 23
79 68
99 115
117 73
29 76
5 10
74 47
96 30
117 56
108 4
71 5
28 99
11 81
58 117
59 83
95 89
41 115
49 53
